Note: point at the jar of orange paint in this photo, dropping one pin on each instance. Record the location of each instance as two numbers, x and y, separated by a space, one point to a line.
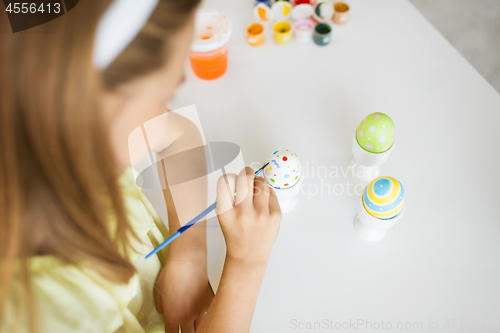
208 54
255 34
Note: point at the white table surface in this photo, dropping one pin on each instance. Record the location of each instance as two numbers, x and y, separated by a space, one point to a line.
441 261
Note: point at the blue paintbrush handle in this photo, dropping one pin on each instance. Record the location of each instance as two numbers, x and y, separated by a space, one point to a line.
190 224
183 228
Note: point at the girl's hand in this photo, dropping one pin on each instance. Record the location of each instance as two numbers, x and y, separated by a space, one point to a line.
183 294
250 222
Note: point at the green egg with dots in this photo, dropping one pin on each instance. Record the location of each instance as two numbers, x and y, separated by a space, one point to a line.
376 133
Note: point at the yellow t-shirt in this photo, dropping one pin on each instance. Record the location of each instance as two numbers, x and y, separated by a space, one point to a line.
76 299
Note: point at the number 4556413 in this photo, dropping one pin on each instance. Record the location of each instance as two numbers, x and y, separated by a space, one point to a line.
32 8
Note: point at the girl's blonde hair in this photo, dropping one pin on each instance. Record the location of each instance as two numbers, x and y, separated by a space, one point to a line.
58 180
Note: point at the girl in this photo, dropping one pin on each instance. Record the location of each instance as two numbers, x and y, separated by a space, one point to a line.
73 232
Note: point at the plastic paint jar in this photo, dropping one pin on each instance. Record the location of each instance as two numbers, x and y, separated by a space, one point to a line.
341 14
282 32
322 34
255 34
299 2
303 31
208 55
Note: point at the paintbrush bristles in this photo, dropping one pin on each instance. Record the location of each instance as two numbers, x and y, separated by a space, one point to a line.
264 166
258 172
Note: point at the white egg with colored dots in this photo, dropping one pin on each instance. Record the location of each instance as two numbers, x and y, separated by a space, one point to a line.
283 170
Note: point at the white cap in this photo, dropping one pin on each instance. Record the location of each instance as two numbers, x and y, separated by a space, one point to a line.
281 10
302 11
323 11
263 13
212 30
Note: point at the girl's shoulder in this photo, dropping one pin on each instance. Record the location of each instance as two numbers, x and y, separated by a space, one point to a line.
72 298
141 214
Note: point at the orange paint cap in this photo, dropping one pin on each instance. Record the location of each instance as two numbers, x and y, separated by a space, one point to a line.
263 13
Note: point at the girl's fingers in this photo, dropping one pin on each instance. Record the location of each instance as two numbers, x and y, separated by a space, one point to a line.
244 186
261 193
187 328
274 206
226 185
171 328
197 322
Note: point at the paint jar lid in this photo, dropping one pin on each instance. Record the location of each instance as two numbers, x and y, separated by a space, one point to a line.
303 31
302 11
323 11
301 26
263 13
281 10
212 30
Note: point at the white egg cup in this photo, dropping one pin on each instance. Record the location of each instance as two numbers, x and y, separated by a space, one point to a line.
288 197
366 165
371 228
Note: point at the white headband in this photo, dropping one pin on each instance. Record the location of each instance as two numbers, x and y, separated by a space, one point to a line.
119 25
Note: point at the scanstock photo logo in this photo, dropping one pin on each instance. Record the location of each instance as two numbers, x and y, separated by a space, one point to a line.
26 15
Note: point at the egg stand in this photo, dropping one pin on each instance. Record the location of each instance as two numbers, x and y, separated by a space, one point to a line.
288 197
371 228
366 164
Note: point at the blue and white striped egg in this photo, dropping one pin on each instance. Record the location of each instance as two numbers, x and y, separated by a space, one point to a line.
284 169
384 198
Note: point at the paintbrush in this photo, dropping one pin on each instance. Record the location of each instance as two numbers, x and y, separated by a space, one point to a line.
193 221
